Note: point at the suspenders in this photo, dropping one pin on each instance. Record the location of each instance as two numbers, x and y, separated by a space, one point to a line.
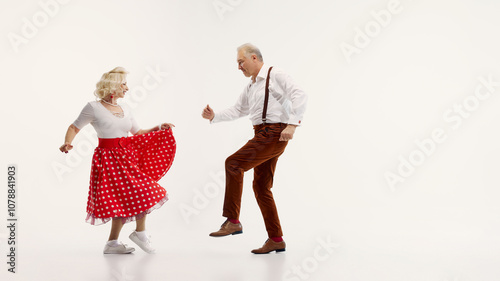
266 99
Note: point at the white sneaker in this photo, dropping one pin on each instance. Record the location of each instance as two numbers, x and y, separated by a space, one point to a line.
118 249
145 245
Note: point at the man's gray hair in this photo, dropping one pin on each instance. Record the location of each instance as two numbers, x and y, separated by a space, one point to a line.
250 49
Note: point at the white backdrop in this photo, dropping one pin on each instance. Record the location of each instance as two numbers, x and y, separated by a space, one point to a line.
396 161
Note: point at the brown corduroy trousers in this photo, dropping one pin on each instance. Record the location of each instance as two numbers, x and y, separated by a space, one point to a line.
260 153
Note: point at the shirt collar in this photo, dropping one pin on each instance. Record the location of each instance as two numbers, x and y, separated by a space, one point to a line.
262 73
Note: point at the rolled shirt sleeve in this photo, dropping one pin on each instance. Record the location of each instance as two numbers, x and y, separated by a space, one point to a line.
295 94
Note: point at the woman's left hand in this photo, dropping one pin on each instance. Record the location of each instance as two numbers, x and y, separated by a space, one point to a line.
166 126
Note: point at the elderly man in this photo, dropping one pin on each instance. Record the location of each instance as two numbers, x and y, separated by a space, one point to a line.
276 106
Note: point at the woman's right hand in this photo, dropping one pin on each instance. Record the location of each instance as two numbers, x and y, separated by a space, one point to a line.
66 147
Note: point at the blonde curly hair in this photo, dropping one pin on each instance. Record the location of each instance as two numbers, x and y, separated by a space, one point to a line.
110 82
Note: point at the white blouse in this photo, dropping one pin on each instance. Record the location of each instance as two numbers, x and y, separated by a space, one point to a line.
107 125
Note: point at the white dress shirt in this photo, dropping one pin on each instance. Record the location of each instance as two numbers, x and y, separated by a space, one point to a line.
287 101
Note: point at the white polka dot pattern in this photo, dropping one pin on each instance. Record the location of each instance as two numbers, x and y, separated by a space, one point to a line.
124 179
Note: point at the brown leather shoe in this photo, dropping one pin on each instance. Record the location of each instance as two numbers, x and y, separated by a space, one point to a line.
270 246
228 228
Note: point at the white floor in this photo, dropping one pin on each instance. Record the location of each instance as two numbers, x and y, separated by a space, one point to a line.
385 249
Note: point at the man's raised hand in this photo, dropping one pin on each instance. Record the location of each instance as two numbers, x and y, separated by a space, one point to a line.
208 113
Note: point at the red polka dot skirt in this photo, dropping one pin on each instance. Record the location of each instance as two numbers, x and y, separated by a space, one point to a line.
125 174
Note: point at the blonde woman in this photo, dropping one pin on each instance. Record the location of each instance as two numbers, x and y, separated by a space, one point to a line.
125 169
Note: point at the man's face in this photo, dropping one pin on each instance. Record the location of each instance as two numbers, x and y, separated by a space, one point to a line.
247 65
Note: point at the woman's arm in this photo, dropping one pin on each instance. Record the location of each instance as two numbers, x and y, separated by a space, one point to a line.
164 126
70 136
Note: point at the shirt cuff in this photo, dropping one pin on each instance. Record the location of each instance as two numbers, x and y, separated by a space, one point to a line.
294 121
215 119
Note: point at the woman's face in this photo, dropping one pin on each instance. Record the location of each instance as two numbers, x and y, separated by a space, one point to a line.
123 89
